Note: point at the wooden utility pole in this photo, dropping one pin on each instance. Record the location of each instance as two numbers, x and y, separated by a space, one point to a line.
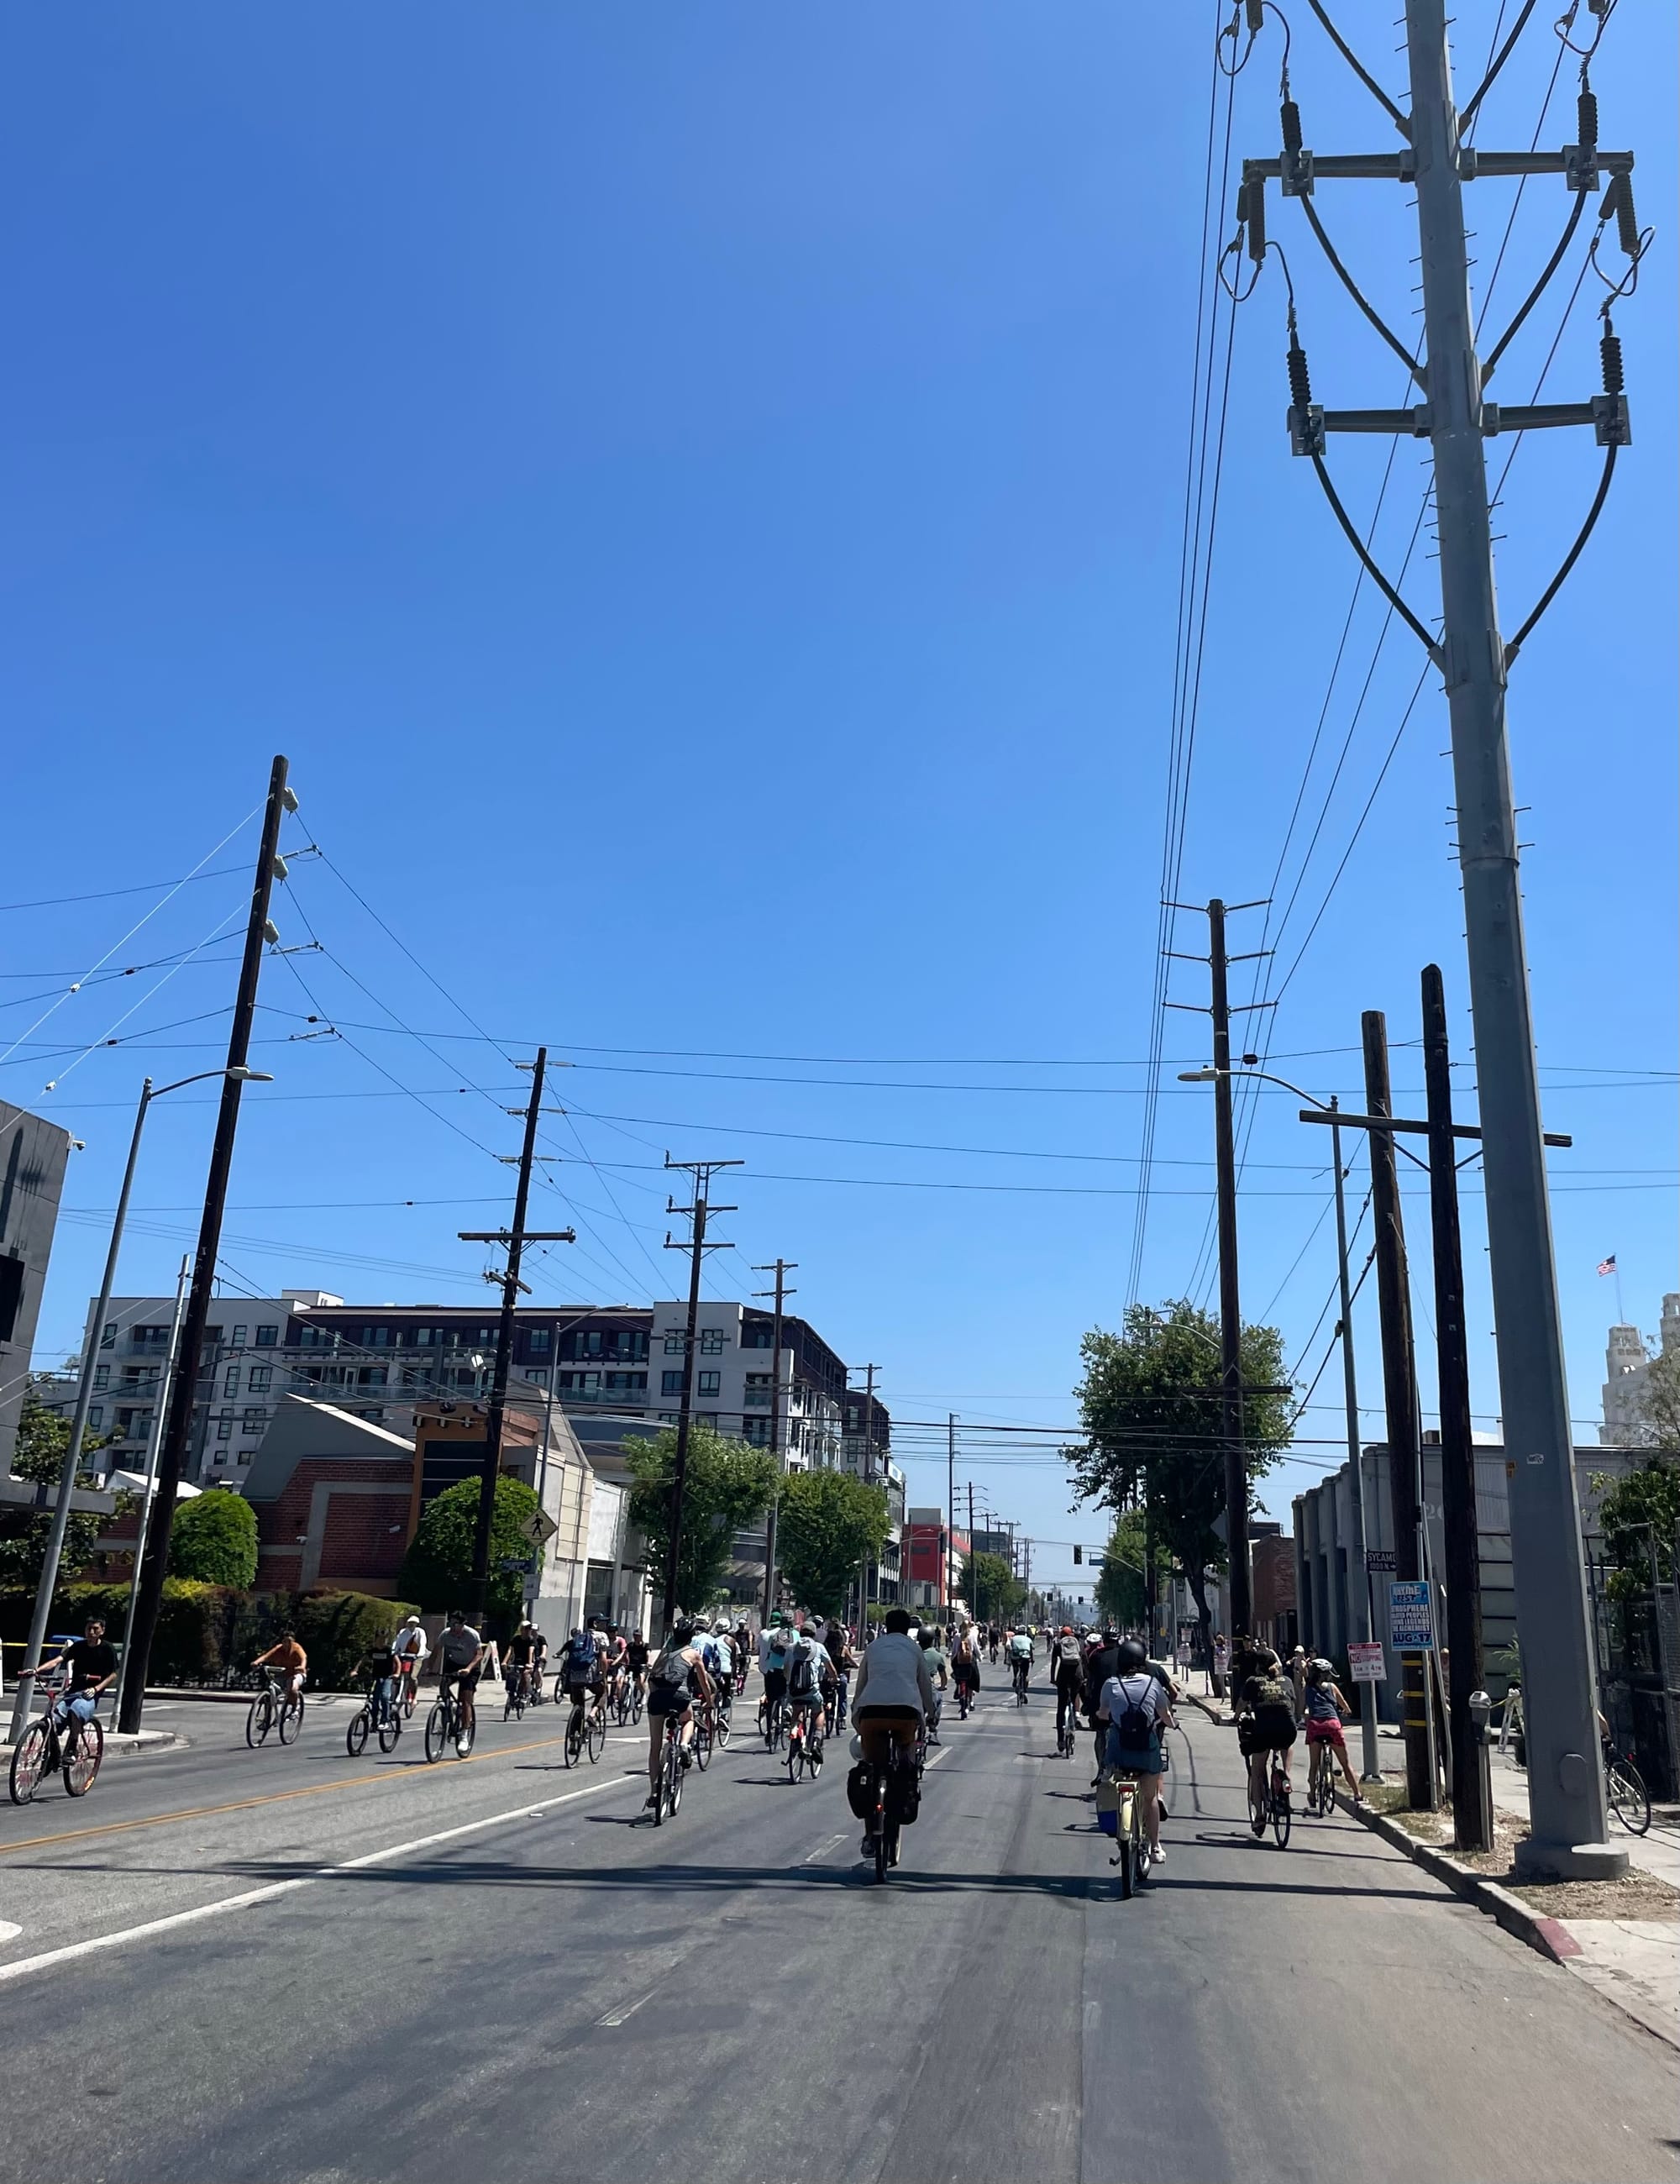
781 1269
698 1247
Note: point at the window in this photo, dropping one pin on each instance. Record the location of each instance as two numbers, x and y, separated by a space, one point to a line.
102 1377
214 1335
254 1422
537 1342
537 1375
230 1381
670 1384
96 1416
268 1338
375 1338
755 1432
625 1384
705 1418
756 1338
239 1335
225 1428
151 1339
372 1376
311 1337
423 1338
674 1342
710 1384
107 1340
258 1378
711 1342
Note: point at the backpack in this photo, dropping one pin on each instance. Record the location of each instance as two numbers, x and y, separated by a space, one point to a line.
801 1677
583 1650
1135 1725
1068 1651
671 1670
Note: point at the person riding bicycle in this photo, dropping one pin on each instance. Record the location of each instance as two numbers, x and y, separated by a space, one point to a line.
674 1680
994 1638
519 1670
378 1666
965 1662
1325 1706
806 1662
582 1667
636 1661
1020 1656
460 1662
894 1694
838 1647
288 1657
775 1647
1102 1662
1137 1707
1265 1721
1067 1672
616 1663
412 1645
91 1664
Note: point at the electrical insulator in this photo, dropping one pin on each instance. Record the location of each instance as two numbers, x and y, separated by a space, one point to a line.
1256 217
1300 380
1291 125
1609 360
1256 16
1587 120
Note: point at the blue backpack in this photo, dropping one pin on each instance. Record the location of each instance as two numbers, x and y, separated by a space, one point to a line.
583 1650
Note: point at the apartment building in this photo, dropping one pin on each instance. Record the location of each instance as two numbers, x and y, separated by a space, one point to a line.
379 1362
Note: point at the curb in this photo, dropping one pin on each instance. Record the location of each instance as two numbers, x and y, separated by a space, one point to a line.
1510 1912
118 1746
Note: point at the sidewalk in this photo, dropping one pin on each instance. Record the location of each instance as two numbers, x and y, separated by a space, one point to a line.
120 1744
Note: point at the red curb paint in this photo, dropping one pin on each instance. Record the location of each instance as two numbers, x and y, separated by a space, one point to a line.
1559 1941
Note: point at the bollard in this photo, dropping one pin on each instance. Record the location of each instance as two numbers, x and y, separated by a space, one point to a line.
1473 1822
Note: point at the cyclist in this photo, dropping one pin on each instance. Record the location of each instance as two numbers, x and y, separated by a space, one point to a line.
412 1645
636 1661
460 1662
379 1665
993 1640
894 1694
1067 1672
1137 1707
965 1662
92 1663
722 1670
844 1661
938 1670
1324 1708
775 1645
741 1650
674 1681
1266 1719
581 1672
806 1661
1020 1656
521 1661
287 1655
1102 1662
616 1663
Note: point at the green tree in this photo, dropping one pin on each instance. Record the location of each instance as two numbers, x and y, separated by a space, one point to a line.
39 1457
993 1591
827 1522
1640 1513
1119 1581
437 1568
213 1539
727 1485
1149 1402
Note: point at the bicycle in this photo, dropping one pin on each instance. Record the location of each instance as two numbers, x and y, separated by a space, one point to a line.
638 1699
965 1701
668 1789
516 1693
386 1720
1020 1672
722 1720
1321 1778
407 1691
804 1745
446 1726
620 1701
1272 1802
883 1832
1065 1739
586 1727
773 1722
1131 1838
273 1705
72 1752
1626 1792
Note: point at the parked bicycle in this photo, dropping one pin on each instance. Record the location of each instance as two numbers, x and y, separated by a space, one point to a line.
446 1729
1626 1792
71 1750
275 1707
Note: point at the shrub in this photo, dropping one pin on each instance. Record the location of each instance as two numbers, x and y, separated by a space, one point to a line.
437 1568
213 1539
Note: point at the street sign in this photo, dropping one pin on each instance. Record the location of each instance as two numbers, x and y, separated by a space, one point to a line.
539 1527
1411 1626
1180 1655
1378 1559
525 1564
1365 1660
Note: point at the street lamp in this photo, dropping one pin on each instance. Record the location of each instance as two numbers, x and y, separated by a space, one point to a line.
1370 1771
84 1395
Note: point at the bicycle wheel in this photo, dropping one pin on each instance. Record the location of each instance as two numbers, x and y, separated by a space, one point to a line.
406 1698
574 1750
389 1731
595 1734
356 1735
437 1731
81 1766
674 1774
1280 1820
723 1732
882 1848
1629 1799
291 1720
813 1758
636 1708
795 1758
260 1719
702 1743
1258 1808
28 1761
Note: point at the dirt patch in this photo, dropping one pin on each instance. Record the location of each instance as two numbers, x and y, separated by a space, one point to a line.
1635 1896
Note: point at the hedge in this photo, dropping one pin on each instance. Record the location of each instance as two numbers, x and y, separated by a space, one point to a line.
209 1634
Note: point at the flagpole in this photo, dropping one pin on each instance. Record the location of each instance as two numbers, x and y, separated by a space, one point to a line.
1620 1314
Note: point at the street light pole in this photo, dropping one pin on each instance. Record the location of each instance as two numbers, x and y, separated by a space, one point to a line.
153 1439
1369 1769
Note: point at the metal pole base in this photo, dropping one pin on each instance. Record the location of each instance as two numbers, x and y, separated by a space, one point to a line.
1374 1774
1544 1861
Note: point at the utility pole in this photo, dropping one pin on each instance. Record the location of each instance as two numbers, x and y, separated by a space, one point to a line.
1458 1457
154 1441
515 1239
154 1550
869 1473
781 1269
1369 1769
1400 1393
974 1588
951 1511
1566 1794
698 1247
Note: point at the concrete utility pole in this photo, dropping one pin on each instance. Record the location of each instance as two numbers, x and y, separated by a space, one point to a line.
951 1510
781 1269
154 1545
697 1245
1369 1769
515 1239
868 1475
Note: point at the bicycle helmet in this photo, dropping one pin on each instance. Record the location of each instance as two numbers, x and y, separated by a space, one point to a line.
1318 1670
681 1634
1131 1653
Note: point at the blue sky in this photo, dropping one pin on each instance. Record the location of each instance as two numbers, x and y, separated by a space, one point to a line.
697 494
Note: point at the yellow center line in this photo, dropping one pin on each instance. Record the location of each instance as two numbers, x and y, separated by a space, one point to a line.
274 1797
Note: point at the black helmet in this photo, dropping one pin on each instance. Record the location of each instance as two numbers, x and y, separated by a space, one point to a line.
1111 1634
1131 1653
681 1634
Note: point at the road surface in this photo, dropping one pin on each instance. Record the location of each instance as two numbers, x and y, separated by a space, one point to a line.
496 1970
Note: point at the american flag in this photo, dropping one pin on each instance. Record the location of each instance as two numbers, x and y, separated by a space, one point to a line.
1607 1266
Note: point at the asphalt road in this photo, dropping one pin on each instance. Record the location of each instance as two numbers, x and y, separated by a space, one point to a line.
495 1970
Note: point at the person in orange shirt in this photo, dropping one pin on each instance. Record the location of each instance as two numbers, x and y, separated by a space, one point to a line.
292 1661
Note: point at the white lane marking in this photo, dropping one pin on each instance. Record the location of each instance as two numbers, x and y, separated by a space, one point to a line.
630 2008
823 1849
9 1932
73 1950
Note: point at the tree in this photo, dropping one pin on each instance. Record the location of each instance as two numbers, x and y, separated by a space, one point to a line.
1640 1513
993 1591
43 1437
1150 1406
727 1484
1119 1591
1659 1419
213 1538
827 1522
437 1569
